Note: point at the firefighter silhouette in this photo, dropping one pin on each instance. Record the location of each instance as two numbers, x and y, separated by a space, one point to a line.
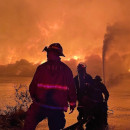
51 89
91 102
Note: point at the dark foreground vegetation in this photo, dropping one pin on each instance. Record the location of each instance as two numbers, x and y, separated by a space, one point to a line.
12 118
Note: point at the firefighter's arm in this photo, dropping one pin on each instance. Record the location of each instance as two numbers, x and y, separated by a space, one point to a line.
32 86
71 92
105 92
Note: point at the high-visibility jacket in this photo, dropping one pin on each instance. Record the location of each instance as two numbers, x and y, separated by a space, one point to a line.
52 86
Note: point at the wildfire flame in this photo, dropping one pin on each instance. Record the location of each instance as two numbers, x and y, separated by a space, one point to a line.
75 57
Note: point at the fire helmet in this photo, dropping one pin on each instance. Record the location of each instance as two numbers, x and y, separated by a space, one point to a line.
56 47
81 66
98 78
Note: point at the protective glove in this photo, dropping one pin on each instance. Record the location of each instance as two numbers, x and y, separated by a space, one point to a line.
72 108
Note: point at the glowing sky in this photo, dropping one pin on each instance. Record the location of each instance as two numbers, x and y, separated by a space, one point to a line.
26 26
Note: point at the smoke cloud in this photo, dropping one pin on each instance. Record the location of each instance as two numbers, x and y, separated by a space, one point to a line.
27 26
116 67
116 49
82 27
20 68
25 68
94 65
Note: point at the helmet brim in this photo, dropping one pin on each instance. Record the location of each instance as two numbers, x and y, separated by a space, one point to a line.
47 50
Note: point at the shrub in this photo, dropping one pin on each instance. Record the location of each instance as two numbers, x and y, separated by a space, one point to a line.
13 117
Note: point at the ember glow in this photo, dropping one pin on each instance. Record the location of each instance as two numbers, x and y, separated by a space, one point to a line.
76 57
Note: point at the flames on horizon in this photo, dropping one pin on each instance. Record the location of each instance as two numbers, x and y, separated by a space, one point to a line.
82 27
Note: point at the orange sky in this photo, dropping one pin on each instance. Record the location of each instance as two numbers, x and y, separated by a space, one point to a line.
27 26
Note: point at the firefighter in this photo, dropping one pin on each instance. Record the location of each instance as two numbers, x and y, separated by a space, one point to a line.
102 96
82 81
51 89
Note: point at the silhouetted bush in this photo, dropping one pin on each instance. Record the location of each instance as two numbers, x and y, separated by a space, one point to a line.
13 117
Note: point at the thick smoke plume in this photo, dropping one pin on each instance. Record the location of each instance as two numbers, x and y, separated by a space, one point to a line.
116 50
106 42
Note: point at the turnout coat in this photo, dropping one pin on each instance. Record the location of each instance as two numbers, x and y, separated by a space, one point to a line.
52 86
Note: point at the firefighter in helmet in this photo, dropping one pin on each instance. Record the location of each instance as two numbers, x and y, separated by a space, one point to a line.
103 96
51 90
83 80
